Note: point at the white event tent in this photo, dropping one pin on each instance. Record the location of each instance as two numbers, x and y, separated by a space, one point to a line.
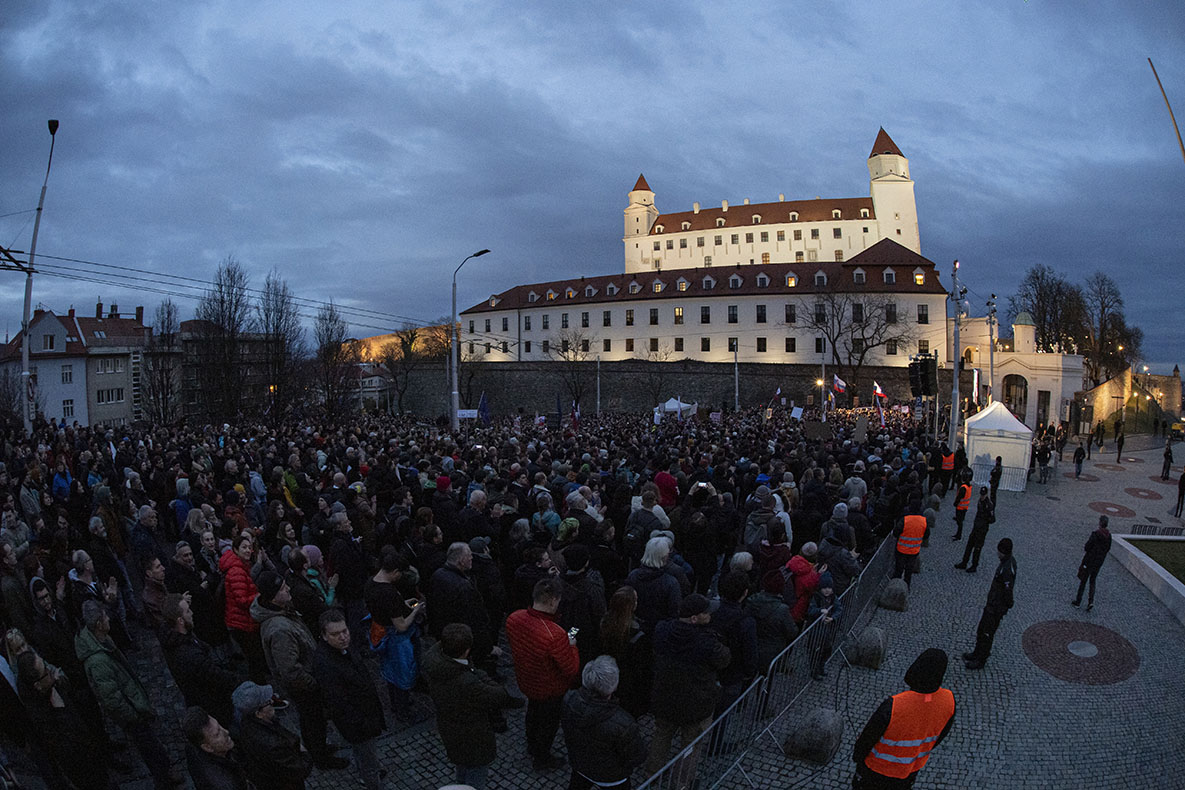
996 432
676 407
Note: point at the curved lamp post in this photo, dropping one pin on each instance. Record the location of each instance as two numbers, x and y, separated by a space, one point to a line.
30 403
455 338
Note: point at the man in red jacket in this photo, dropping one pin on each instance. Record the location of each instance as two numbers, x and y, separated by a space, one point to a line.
546 662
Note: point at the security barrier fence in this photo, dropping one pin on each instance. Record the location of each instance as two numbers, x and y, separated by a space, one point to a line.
712 757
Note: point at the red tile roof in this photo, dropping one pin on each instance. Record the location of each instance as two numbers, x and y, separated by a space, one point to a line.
641 184
874 260
884 145
818 210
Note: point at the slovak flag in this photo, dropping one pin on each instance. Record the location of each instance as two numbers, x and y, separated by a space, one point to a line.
877 391
838 384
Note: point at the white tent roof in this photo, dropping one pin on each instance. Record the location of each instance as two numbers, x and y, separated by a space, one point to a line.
997 419
676 405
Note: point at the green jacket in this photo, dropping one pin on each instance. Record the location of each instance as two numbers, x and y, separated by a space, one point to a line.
120 693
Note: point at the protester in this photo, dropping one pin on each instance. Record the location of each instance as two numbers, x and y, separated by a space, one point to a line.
1096 549
271 752
209 753
603 740
999 601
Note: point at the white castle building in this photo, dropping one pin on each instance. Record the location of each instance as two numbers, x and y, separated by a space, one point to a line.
793 281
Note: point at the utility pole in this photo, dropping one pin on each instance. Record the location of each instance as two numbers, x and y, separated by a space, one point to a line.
823 378
991 349
26 375
598 385
736 376
956 295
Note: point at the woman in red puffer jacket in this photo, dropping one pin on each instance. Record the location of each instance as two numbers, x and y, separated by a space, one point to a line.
802 581
240 591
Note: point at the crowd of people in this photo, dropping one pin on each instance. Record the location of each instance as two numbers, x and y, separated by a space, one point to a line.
626 568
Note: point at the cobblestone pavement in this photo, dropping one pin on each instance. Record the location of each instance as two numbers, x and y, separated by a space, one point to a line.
1017 726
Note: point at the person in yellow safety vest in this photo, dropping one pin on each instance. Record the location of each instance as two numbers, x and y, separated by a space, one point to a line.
910 532
962 503
948 468
897 741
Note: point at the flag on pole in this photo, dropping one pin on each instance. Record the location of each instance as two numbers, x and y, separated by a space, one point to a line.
877 391
483 409
880 409
838 384
575 415
779 392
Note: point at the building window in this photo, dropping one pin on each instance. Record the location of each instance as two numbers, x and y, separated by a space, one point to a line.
820 313
707 260
923 314
781 235
114 395
47 342
699 241
820 279
527 323
857 345
551 295
798 256
891 313
890 276
923 346
546 347
584 320
654 316
505 347
606 318
629 345
67 374
762 280
919 279
765 257
835 213
791 345
734 282
814 233
487 325
532 297
705 344
791 314
748 238
837 233
629 317
68 407
584 345
678 316
682 284
732 314
705 314
606 345
635 288
590 292
857 313
657 287
670 244
720 222
682 244
506 324
765 235
761 314
563 321
732 344
864 229
564 346
657 246
679 344
487 349
761 345
858 277
654 344
611 289
798 235
891 347
527 346
546 322
471 349
709 283
839 255
471 323
820 345
864 215
718 240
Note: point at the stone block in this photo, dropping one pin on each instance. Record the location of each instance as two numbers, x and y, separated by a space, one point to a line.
817 737
868 650
895 596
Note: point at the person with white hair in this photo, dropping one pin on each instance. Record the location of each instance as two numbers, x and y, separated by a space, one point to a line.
604 742
659 592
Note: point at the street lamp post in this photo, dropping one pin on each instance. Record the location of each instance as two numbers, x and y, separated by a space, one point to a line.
25 373
822 400
455 334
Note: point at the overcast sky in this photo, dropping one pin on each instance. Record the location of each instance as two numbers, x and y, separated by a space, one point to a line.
365 148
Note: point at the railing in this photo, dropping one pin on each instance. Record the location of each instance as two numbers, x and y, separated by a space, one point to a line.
718 751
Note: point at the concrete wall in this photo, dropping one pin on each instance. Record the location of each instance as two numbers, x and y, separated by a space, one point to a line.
1162 584
632 385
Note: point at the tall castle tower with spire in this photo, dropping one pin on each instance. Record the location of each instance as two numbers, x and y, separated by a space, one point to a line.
823 229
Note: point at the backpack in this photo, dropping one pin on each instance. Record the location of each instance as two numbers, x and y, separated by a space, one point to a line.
637 531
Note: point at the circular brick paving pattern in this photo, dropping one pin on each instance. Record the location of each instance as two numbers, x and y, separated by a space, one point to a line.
1142 493
1079 652
1156 479
1084 477
1109 467
1112 509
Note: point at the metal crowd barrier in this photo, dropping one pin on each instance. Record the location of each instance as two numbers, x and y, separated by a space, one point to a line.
708 760
1014 478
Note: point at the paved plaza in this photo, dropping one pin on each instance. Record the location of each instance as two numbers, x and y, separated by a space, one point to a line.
1018 725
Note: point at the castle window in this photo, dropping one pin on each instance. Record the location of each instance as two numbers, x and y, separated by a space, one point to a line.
546 346
532 297
487 325
762 280
584 345
471 327
657 246
718 240
584 320
791 345
748 238
570 293
654 316
678 315
781 235
657 286
858 277
814 233
527 323
798 256
563 321
760 316
659 228
794 216
493 301
765 235
837 233
590 291
678 344
765 257
756 219
551 295
835 213
705 344
635 288
919 277
707 260
505 347
670 244
505 324
654 344
720 222
732 314
820 278
709 283
705 314
761 345
923 314
891 347
791 281
629 317
735 281
611 289
791 314
735 238
864 215
839 255
629 345
546 322
682 244
686 225
606 318
798 235
682 284
699 241
527 346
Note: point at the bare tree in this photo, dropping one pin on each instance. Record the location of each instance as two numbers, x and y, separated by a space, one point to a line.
337 357
572 349
857 327
11 397
656 370
225 317
1056 306
410 349
162 365
283 342
1107 341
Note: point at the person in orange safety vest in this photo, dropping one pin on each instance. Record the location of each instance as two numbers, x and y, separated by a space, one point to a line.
962 503
948 468
910 532
897 741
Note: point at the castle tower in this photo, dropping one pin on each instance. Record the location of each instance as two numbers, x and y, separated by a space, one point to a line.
892 193
640 215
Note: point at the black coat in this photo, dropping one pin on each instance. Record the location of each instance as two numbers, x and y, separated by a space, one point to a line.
307 600
348 561
272 754
210 772
659 595
464 699
1000 594
1096 548
453 597
204 681
351 701
604 743
687 659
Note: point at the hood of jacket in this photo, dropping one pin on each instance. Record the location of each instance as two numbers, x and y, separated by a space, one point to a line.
261 613
926 672
684 642
799 566
230 559
648 574
87 645
439 668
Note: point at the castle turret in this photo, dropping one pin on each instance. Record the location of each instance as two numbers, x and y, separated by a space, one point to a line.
640 215
1024 334
892 193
